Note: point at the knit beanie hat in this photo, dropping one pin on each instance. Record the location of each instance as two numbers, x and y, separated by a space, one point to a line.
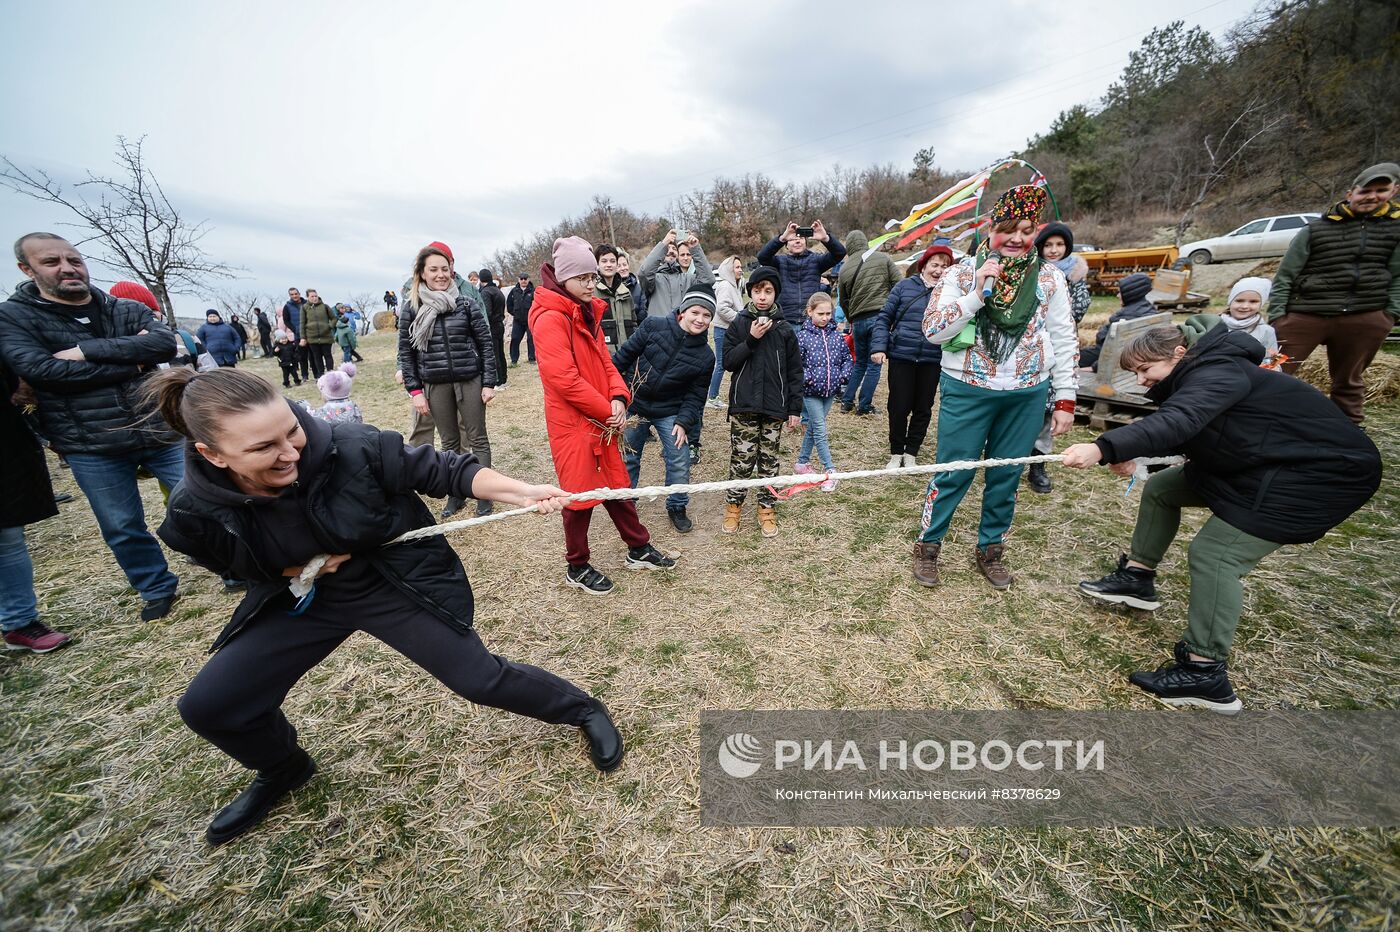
485 276
1134 287
349 369
1055 229
133 291
213 313
573 256
445 251
334 385
1261 286
700 294
764 273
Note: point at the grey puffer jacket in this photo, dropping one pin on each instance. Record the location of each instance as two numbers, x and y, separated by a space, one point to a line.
93 406
459 349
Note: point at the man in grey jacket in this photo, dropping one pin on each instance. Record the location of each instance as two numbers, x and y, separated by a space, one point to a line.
671 268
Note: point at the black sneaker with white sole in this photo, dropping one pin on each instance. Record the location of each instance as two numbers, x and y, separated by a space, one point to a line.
647 557
1187 683
588 579
1127 585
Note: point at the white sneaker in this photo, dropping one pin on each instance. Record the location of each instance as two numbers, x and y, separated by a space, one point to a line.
896 461
909 460
829 485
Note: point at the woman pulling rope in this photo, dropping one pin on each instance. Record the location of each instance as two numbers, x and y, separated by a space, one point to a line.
262 479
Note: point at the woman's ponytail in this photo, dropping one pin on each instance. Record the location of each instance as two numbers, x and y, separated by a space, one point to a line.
195 403
166 390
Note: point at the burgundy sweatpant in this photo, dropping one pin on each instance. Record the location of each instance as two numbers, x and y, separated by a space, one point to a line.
623 514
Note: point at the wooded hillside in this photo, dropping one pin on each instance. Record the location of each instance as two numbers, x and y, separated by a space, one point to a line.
1194 137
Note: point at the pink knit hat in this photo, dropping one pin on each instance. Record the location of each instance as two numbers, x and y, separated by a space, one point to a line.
573 256
334 385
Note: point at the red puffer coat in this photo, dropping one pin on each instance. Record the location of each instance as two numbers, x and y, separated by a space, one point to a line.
580 382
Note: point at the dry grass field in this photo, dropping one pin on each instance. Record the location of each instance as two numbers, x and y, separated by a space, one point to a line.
430 813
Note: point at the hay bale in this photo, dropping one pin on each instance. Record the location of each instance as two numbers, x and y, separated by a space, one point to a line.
384 320
1382 377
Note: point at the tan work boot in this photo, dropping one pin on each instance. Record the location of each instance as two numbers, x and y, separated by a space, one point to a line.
768 520
732 514
926 564
989 562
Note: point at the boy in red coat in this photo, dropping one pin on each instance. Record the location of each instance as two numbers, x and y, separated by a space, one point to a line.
585 409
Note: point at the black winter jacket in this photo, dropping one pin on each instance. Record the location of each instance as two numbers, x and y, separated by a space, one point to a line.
1270 454
768 373
459 350
899 326
518 302
495 300
90 406
668 371
356 485
26 495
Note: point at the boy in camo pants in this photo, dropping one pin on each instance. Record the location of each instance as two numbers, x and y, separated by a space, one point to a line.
765 389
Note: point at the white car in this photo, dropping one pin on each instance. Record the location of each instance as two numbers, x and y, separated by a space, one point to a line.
1257 239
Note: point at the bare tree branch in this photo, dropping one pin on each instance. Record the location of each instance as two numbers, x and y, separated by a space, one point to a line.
135 228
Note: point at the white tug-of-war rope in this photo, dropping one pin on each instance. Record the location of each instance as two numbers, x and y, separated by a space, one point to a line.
302 584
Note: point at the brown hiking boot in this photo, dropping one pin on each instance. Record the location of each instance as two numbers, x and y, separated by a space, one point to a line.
989 562
926 564
768 520
732 514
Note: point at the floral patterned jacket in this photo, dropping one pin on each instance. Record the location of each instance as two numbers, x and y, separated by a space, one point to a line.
1048 349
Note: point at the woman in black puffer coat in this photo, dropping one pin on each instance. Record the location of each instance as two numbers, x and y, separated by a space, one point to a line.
448 363
1274 460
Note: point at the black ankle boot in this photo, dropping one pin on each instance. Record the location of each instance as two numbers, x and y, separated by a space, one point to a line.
604 740
1203 684
251 805
1127 585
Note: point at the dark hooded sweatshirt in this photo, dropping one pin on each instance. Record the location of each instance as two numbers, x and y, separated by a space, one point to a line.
1270 454
355 491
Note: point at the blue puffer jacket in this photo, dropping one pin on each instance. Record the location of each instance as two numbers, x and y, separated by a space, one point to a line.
826 359
667 369
899 326
801 275
221 341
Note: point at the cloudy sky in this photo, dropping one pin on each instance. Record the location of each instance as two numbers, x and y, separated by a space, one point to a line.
326 141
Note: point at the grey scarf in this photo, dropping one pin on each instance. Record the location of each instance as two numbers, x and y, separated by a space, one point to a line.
431 304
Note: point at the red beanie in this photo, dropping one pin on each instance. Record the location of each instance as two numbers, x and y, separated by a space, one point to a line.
134 291
939 248
445 251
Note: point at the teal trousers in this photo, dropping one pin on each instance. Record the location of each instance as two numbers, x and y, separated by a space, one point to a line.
981 423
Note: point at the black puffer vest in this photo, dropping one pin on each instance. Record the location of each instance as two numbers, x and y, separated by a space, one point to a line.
1347 269
356 498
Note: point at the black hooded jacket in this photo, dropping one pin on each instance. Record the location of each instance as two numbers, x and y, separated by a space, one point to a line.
92 406
767 372
1270 454
355 491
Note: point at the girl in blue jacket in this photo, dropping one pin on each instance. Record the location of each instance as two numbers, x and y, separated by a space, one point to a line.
826 365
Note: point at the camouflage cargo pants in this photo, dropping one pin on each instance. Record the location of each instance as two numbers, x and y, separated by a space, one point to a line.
753 453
